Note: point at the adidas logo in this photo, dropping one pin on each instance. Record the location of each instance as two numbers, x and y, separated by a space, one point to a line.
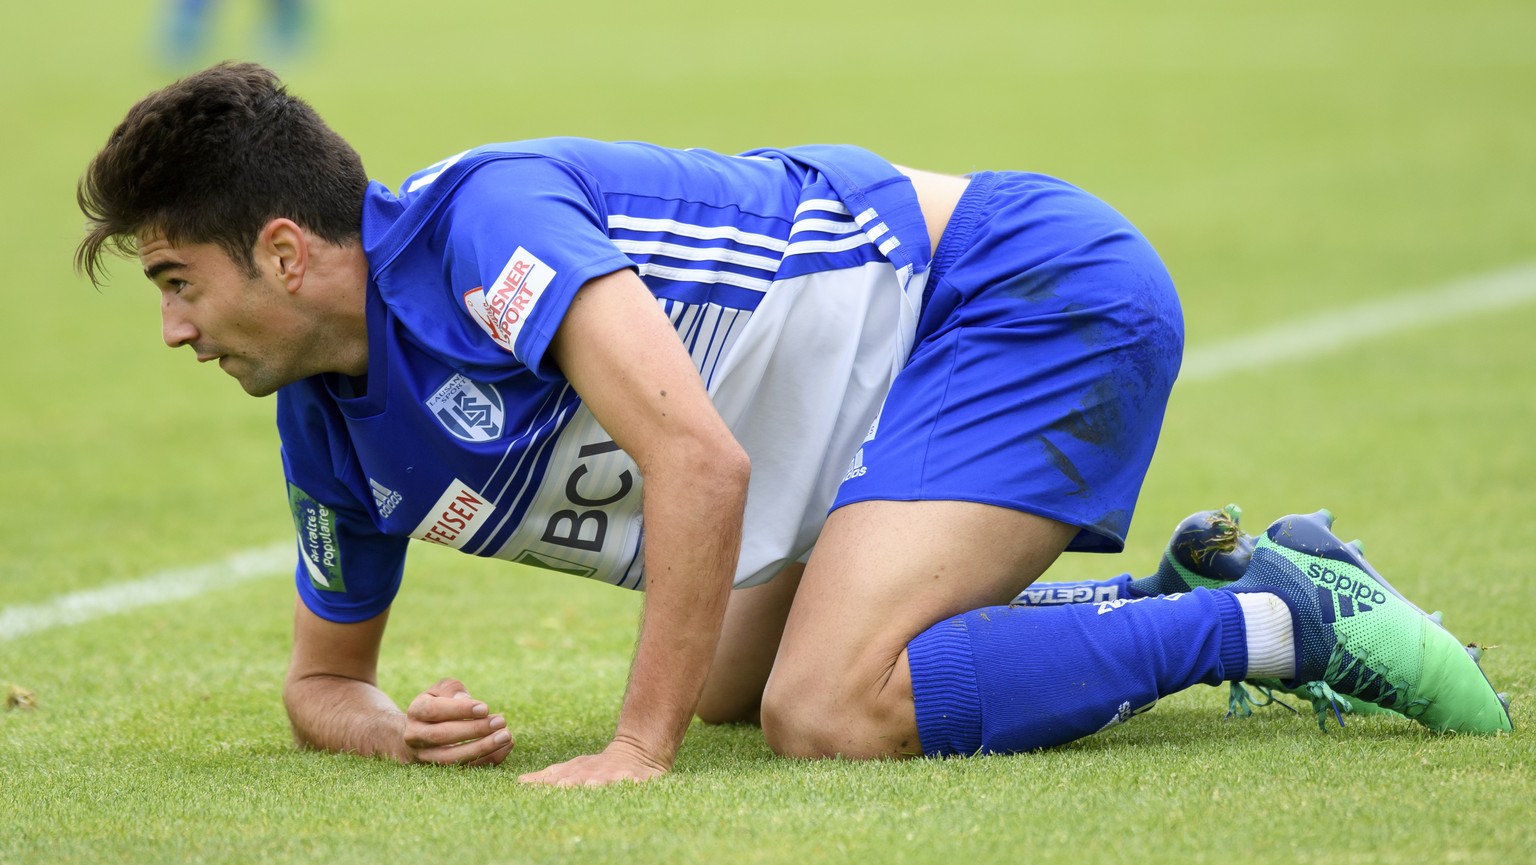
856 469
1341 596
1337 606
386 498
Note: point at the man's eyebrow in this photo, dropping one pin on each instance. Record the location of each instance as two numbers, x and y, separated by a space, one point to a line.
156 269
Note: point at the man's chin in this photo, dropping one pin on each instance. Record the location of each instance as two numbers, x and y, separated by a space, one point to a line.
259 390
255 385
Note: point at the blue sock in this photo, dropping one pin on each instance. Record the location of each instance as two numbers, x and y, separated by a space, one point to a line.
1010 679
1077 592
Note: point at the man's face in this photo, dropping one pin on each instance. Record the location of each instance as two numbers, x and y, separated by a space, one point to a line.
251 326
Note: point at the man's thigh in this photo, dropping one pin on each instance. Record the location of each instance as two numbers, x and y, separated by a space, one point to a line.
749 639
882 573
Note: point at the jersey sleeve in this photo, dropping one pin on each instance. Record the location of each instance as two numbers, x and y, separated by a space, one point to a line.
347 570
534 230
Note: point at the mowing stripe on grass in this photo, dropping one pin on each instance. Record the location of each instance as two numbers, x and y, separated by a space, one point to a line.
173 585
1326 332
1338 329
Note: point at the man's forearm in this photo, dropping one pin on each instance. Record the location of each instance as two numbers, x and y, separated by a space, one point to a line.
333 713
693 537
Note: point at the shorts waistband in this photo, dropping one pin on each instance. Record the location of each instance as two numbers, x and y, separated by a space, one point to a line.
962 224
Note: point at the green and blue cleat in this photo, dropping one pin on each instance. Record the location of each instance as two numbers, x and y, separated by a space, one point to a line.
1208 550
1362 640
1325 703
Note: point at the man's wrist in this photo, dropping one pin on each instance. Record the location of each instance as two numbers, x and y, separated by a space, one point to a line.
656 755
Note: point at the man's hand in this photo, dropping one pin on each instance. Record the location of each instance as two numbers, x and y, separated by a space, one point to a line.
444 724
620 761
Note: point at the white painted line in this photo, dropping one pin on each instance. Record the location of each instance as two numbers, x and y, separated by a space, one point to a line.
1336 330
164 587
1326 332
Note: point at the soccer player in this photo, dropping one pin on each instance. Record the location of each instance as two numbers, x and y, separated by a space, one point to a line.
876 401
188 22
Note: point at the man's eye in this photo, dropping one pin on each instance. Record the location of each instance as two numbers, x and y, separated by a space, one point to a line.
177 285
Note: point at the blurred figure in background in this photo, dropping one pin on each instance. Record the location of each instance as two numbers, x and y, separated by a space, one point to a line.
285 31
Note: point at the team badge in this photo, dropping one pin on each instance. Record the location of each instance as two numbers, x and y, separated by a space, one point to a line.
470 410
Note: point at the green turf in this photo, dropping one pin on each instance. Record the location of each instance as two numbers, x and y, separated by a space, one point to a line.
1285 159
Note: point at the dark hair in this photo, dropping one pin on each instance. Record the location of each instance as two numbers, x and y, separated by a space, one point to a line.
211 159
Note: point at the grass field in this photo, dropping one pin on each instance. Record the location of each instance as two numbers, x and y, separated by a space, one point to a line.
1288 160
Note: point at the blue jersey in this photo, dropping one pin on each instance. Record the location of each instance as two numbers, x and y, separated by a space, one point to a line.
794 279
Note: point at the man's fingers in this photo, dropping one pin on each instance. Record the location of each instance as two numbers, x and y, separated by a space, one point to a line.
449 688
444 724
489 750
495 757
419 735
593 770
432 709
554 776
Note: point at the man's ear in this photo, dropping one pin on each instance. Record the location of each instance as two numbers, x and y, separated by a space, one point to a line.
282 251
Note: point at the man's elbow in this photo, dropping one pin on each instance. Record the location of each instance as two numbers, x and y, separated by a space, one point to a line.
717 463
733 467
725 470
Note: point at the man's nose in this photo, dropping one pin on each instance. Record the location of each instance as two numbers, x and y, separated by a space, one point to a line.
174 327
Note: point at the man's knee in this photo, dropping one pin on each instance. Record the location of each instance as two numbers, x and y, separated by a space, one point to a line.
795 720
820 713
732 708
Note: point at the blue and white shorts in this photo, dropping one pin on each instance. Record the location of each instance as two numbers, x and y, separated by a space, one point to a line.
1049 341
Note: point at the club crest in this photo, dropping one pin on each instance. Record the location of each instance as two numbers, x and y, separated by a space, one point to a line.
468 409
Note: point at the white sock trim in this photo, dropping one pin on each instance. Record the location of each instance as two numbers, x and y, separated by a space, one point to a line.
1271 636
